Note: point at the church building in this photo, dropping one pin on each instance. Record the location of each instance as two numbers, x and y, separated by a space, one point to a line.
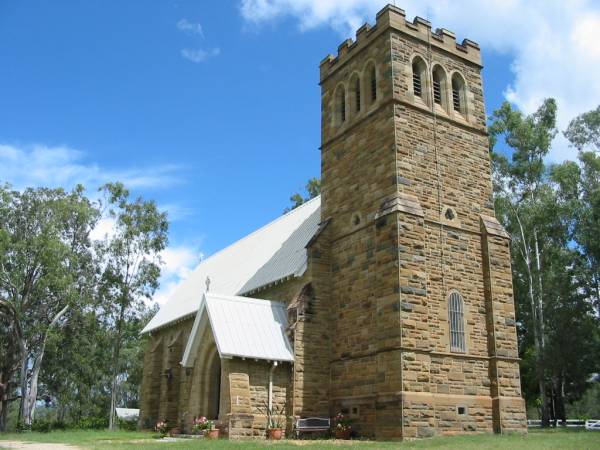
388 298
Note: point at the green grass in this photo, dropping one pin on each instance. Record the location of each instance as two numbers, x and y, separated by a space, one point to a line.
103 440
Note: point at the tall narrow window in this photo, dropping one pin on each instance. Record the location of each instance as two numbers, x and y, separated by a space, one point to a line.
373 78
458 93
437 87
418 77
437 90
357 94
417 86
438 77
457 323
340 105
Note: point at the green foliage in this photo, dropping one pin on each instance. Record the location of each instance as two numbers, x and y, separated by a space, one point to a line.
45 266
588 406
130 260
45 425
551 216
584 130
73 301
127 425
92 423
313 189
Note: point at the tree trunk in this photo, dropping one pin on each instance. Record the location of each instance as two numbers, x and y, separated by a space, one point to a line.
112 423
29 390
537 315
23 404
560 412
33 386
4 387
3 414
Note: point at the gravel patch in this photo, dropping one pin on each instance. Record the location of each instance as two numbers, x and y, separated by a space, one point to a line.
35 446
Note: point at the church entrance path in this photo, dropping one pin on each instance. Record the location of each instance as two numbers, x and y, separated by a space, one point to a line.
35 446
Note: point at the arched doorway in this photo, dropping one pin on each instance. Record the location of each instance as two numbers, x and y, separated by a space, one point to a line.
213 385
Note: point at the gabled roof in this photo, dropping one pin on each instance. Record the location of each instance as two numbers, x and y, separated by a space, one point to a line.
271 253
242 327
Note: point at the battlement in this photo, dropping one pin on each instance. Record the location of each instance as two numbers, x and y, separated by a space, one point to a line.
393 17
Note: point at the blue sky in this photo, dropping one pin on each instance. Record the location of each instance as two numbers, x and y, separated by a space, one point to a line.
213 108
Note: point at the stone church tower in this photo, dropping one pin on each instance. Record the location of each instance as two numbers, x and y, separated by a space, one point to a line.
389 298
423 322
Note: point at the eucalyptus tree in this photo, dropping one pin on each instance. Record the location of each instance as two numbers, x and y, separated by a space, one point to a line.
45 266
131 261
313 189
526 206
584 133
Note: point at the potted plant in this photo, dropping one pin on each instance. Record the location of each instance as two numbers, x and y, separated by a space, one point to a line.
199 425
343 426
275 421
161 428
211 432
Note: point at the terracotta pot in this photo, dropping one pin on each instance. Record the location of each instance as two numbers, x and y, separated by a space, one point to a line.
174 431
212 434
342 434
274 434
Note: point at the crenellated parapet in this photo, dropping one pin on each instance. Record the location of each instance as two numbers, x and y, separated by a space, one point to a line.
393 17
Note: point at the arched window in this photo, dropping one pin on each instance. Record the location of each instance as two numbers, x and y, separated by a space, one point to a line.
373 83
458 94
340 105
456 317
419 69
356 93
439 86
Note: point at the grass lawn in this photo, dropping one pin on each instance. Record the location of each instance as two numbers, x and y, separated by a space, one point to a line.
551 439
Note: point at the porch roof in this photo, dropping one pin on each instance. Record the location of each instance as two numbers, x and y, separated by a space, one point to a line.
242 327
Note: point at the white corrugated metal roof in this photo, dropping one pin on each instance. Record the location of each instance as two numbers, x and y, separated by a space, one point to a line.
242 327
271 253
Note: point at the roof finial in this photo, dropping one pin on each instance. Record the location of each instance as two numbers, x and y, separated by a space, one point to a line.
207 283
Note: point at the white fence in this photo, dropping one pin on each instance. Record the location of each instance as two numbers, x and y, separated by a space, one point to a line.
570 423
592 425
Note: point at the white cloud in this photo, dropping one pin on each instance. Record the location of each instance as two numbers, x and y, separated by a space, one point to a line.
198 55
190 27
179 261
105 228
553 43
41 165
178 264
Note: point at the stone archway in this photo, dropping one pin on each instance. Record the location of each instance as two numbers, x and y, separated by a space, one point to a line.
213 385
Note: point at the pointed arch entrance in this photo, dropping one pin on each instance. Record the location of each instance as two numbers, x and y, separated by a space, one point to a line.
212 392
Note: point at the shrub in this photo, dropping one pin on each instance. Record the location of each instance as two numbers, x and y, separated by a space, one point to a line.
41 426
128 425
22 427
92 423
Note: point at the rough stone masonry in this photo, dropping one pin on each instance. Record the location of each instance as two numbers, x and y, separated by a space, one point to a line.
407 221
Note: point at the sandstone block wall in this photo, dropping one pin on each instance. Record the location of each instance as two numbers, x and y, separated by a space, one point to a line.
406 184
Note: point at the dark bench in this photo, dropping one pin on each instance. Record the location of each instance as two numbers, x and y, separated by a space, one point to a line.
312 425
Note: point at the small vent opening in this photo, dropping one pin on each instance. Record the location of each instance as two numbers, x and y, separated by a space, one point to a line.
450 214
